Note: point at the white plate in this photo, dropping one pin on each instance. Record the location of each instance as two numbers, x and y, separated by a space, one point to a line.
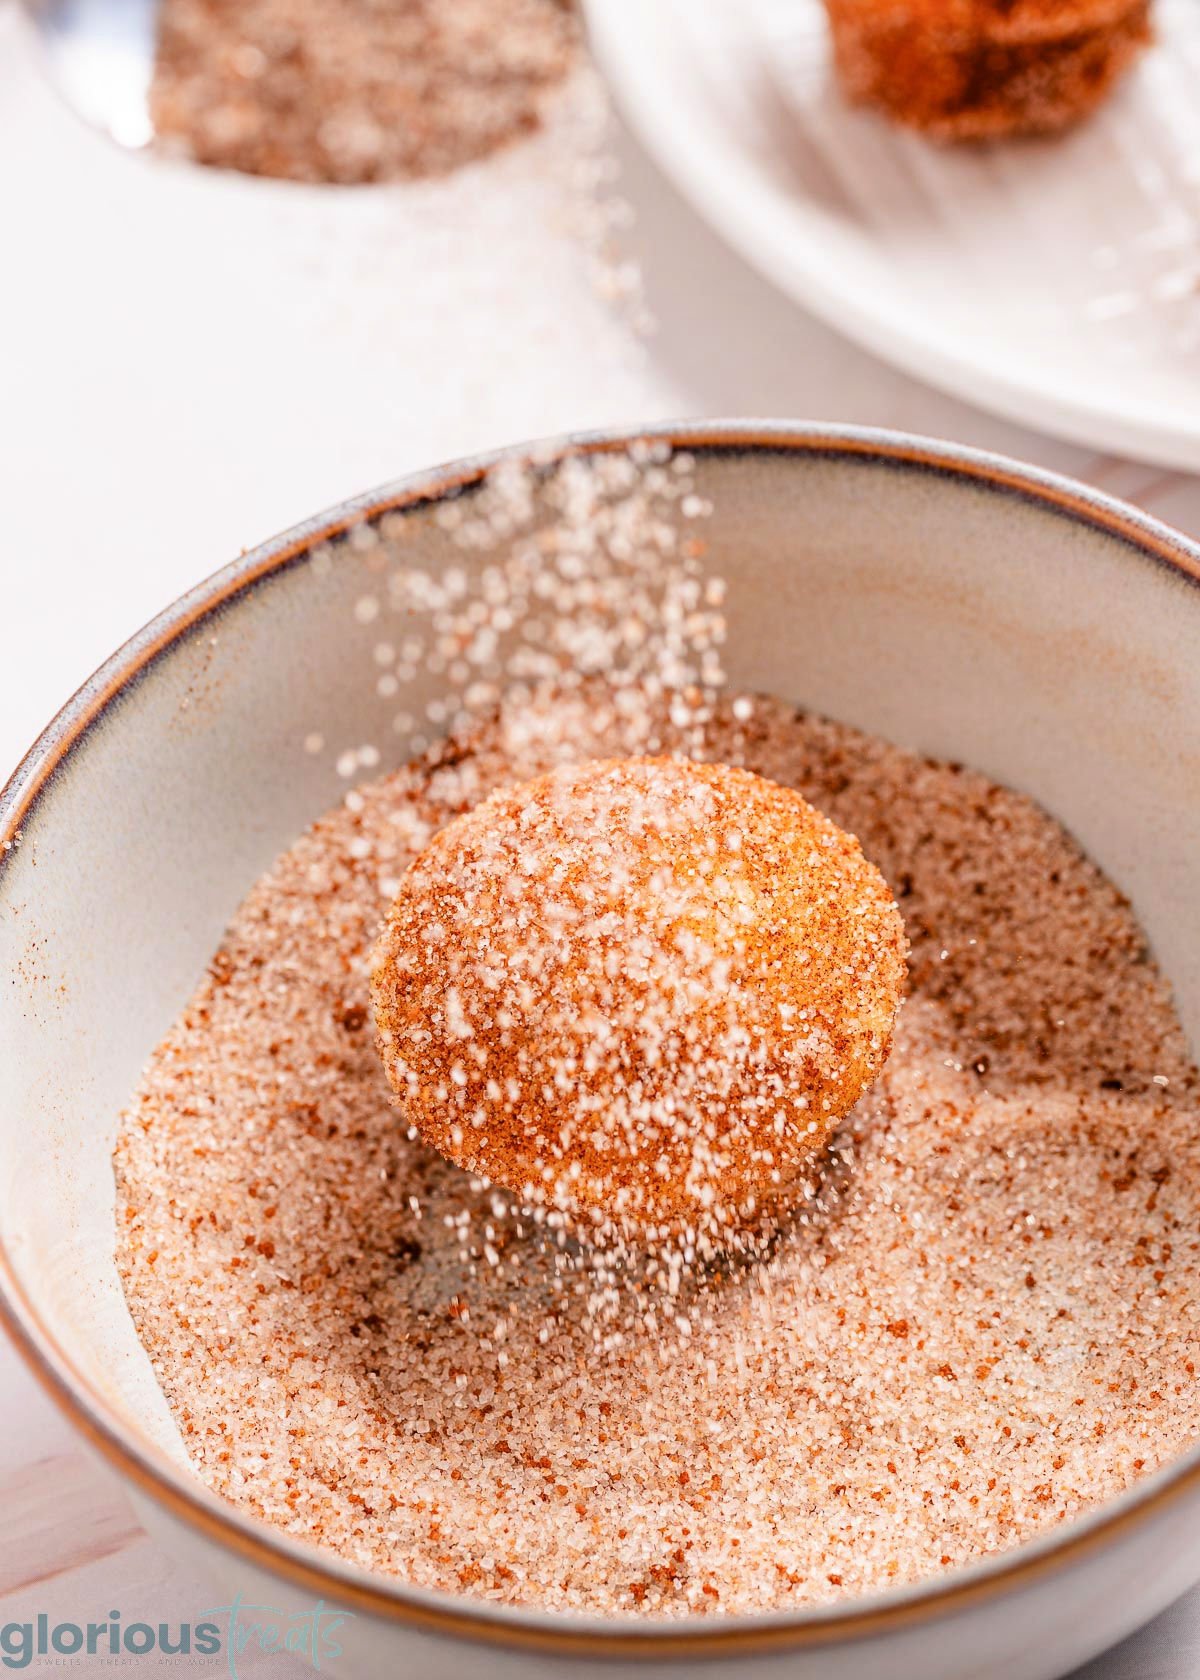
1056 282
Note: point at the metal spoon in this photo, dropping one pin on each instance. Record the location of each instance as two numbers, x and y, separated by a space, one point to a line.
100 55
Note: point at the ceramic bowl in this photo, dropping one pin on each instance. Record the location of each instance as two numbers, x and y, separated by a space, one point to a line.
950 601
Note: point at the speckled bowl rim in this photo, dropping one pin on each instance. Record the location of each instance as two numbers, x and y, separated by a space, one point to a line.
1146 539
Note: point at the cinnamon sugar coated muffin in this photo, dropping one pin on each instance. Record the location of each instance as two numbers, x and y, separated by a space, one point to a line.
979 69
640 991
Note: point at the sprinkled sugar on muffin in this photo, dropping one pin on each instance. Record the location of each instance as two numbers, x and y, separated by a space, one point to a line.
642 991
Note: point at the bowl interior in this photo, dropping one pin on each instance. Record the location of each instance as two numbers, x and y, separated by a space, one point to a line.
939 607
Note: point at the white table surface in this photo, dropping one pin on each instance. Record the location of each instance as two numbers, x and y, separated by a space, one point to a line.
188 365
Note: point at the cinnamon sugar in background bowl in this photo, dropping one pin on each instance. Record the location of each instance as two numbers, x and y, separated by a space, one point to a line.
948 601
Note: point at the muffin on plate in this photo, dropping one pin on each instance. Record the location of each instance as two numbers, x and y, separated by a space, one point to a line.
978 69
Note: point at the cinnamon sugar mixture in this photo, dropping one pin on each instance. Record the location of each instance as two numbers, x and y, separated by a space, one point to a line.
355 90
987 1320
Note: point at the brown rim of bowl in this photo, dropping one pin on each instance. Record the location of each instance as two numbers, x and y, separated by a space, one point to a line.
431 1612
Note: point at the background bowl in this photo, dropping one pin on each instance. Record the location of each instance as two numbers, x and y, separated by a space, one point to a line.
953 602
